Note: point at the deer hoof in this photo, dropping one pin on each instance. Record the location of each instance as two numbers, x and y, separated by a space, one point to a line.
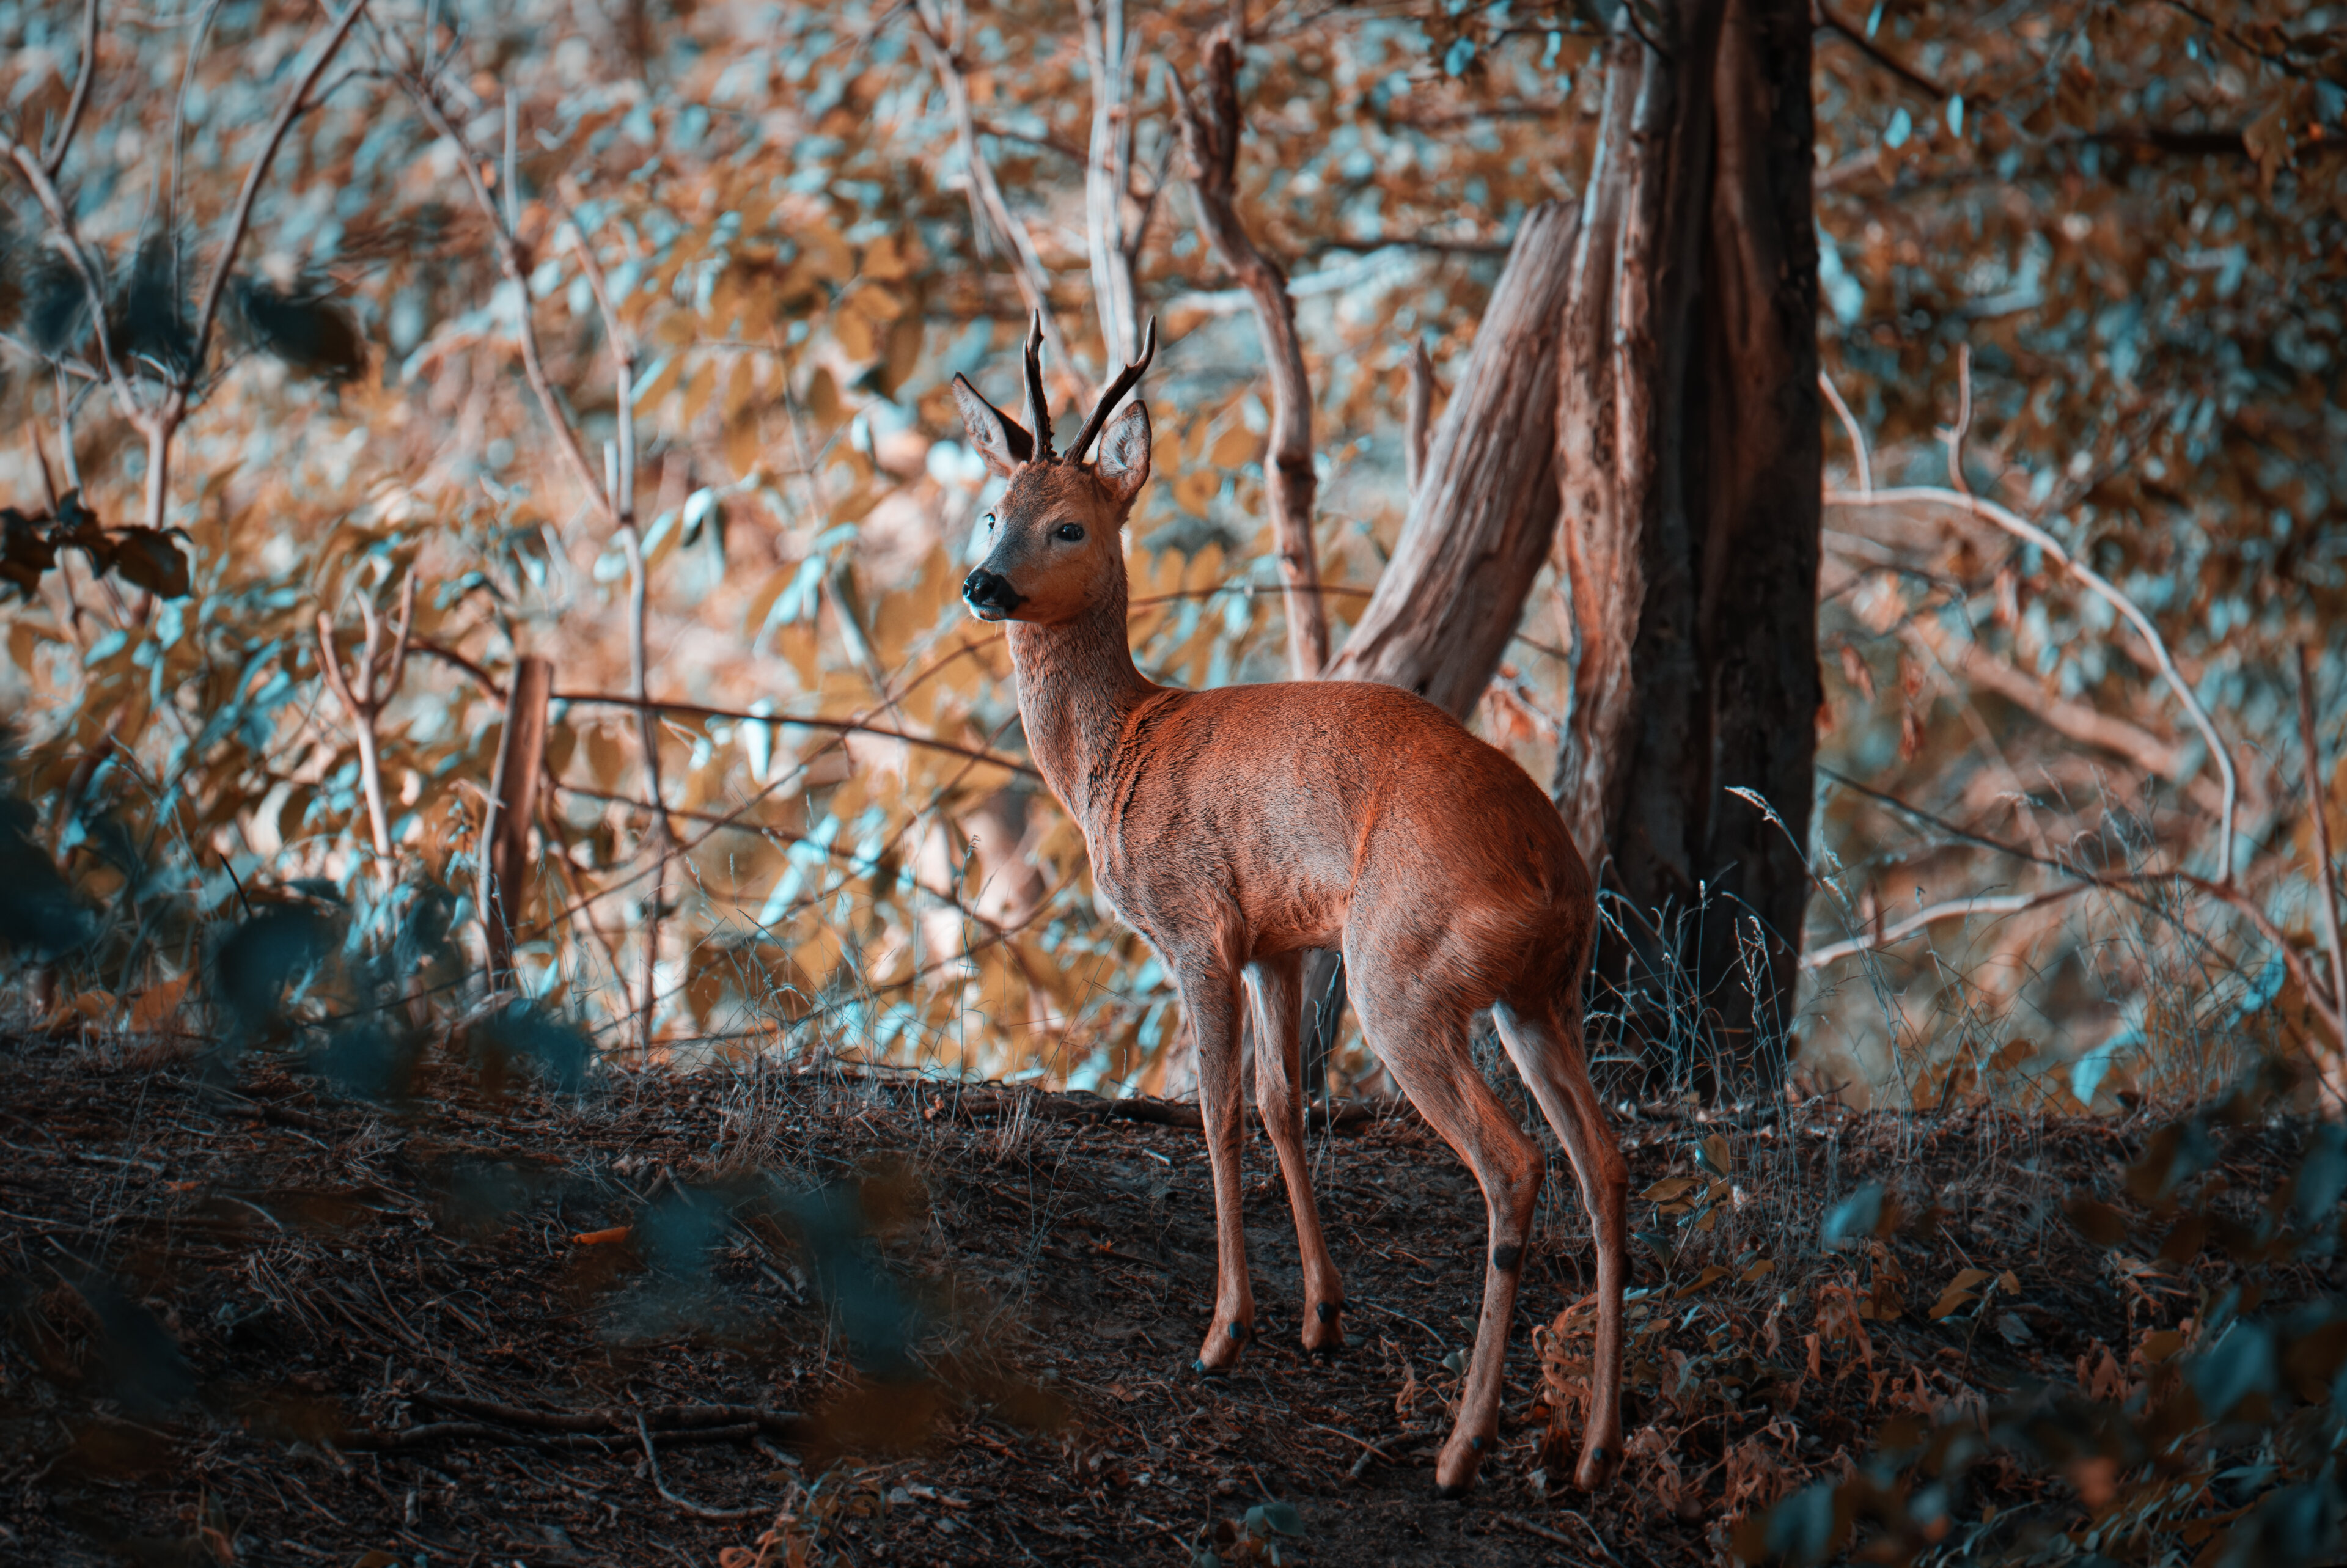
1454 1470
1597 1468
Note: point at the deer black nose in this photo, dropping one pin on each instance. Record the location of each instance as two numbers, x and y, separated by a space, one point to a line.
991 590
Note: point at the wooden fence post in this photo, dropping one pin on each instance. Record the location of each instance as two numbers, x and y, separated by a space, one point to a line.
513 791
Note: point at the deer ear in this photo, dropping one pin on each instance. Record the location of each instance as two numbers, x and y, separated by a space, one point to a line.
1123 466
999 439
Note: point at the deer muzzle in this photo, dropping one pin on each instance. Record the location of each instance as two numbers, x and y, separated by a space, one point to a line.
990 596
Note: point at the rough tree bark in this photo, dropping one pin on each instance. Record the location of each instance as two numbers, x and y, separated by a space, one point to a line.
1688 442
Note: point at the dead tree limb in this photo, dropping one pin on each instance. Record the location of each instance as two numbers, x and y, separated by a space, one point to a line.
1212 127
2326 874
1107 172
1485 505
505 830
990 214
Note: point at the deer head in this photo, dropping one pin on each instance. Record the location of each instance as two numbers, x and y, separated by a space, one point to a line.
1053 548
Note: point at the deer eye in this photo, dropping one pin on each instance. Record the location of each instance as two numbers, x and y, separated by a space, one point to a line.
1071 532
988 519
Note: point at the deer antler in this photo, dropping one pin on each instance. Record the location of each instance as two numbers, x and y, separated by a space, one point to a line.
1038 403
1126 379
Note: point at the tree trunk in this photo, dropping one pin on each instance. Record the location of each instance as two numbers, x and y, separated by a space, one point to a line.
1688 442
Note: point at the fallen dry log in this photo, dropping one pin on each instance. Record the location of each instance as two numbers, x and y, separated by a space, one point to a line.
659 1417
517 1426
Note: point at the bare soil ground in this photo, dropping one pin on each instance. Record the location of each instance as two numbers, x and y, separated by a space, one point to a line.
250 1321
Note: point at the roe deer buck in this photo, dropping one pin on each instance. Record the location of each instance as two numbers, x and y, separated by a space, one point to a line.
1236 828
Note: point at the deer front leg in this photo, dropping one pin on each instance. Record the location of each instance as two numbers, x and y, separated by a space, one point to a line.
1275 986
1210 997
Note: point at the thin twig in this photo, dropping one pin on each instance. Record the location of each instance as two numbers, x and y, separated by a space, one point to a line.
490 685
1577 1518
699 1511
1419 422
373 681
1827 18
988 210
1334 1431
621 483
510 261
54 158
1931 915
67 239
1849 428
241 216
1952 436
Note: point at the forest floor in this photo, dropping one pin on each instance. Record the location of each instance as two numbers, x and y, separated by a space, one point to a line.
249 1321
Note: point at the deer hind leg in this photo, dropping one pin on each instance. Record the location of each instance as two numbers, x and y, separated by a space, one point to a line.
1277 988
1211 1001
1547 1047
1423 1040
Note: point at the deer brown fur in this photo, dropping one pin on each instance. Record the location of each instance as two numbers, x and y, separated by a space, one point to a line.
1235 828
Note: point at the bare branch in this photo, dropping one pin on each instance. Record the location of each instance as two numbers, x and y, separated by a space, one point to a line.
1211 130
621 482
510 261
2130 884
1849 428
241 216
989 211
1931 915
1827 18
179 111
54 158
1106 174
400 642
2022 528
2079 721
360 704
66 238
1952 436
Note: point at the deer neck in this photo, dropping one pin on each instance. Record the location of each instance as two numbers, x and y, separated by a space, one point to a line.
1077 689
